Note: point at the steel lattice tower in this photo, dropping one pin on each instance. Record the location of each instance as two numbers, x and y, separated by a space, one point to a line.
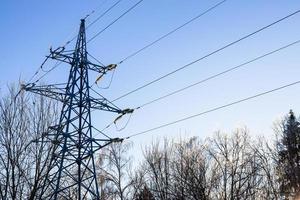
72 163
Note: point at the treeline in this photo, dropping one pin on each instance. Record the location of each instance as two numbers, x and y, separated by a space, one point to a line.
225 166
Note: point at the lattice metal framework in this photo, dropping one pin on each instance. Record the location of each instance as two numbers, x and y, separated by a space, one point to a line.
72 171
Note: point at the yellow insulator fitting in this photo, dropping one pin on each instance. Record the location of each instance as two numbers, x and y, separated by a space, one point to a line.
99 78
111 66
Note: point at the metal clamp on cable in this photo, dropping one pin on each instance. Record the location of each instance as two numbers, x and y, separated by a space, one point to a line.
26 86
111 67
56 51
117 139
106 69
127 111
124 112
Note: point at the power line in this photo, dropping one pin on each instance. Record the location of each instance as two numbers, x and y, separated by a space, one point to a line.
171 32
114 122
100 132
213 109
147 46
206 56
94 21
38 69
114 21
41 68
93 11
162 37
47 72
109 102
111 78
98 7
109 83
59 63
104 13
97 60
69 41
97 19
219 74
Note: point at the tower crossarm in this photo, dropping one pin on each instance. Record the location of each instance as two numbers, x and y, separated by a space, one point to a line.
104 104
51 91
61 55
97 68
101 70
97 146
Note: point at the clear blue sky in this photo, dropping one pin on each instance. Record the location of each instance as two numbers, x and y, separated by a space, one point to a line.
29 28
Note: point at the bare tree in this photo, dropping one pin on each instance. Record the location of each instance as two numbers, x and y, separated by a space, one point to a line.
22 165
189 170
157 166
266 159
225 166
139 188
177 170
244 171
114 169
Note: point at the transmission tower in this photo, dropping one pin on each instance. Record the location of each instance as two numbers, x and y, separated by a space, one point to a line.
71 166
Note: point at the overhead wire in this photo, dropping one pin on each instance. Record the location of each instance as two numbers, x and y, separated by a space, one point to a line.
47 57
110 81
39 68
117 128
170 73
50 70
33 76
96 59
103 14
171 32
219 74
152 43
58 63
111 77
160 38
126 124
73 38
104 98
207 55
87 16
213 109
95 10
208 78
107 126
215 76
101 5
114 21
157 40
100 132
